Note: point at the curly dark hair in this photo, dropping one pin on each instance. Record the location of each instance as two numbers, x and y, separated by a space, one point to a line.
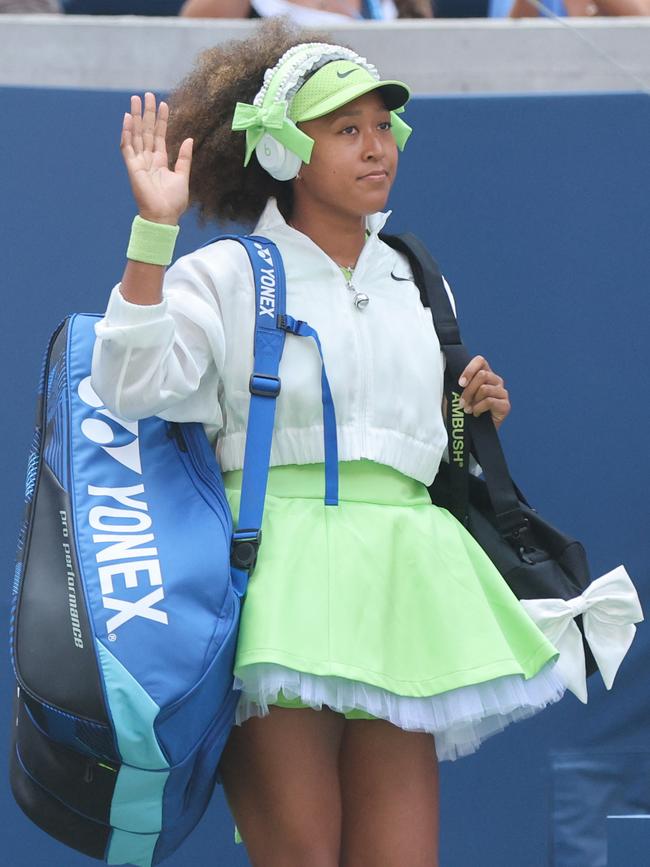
202 106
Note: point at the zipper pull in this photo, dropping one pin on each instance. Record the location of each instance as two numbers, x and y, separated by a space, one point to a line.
360 299
89 771
174 432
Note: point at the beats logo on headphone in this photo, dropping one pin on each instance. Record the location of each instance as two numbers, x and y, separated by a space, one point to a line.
280 163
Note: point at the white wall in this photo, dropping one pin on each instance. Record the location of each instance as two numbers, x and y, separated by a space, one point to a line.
446 56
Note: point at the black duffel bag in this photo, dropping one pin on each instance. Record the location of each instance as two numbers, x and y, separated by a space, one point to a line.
538 561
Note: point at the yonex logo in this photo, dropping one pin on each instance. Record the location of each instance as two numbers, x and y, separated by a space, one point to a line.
267 279
121 525
121 520
117 437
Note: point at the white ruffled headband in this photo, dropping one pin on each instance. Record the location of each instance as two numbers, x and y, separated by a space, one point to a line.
268 113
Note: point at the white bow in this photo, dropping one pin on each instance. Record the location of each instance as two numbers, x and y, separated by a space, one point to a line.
610 607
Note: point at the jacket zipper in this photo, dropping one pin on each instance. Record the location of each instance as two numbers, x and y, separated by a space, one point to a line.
364 376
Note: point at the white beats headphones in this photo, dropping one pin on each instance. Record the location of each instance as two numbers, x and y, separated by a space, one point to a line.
281 83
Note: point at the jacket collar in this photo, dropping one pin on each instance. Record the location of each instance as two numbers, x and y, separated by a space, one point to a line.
271 218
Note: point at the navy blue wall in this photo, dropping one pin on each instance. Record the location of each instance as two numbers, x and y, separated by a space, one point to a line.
537 208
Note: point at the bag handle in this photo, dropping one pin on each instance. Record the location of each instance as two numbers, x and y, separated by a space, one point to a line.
482 432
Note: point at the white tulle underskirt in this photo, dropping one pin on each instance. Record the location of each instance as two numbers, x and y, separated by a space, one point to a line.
461 719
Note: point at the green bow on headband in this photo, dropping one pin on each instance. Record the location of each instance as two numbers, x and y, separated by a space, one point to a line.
272 119
400 129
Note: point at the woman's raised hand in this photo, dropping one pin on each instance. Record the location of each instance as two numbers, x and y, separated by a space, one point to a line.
161 194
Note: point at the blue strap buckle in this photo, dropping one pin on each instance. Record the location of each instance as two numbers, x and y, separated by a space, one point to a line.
243 549
288 323
264 384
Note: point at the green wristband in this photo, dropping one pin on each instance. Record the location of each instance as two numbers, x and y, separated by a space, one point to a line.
151 242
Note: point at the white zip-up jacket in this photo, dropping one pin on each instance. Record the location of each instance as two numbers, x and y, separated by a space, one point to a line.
190 357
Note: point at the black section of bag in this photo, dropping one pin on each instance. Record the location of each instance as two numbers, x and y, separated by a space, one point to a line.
81 735
543 544
53 645
82 782
536 560
45 810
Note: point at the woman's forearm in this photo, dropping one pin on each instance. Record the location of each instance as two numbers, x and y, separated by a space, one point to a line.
142 283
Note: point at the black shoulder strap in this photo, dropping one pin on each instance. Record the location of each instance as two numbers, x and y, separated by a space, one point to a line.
428 279
433 294
482 432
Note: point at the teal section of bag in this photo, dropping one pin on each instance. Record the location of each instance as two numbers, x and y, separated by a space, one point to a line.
127 848
133 712
137 803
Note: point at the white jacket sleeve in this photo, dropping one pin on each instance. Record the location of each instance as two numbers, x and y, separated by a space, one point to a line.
163 359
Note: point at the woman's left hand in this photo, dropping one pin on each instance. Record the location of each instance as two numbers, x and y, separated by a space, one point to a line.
483 390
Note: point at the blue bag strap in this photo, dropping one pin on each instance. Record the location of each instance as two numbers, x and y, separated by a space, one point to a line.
271 327
302 329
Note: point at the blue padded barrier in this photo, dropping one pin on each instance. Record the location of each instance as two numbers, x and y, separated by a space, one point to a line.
628 840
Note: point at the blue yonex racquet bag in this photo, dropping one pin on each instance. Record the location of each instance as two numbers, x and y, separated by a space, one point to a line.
126 598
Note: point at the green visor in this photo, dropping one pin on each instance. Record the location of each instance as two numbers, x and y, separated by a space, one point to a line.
338 83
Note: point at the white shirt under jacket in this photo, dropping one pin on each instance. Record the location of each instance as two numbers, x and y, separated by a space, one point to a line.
190 357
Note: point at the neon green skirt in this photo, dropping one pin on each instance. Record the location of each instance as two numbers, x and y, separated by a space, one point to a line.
383 606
